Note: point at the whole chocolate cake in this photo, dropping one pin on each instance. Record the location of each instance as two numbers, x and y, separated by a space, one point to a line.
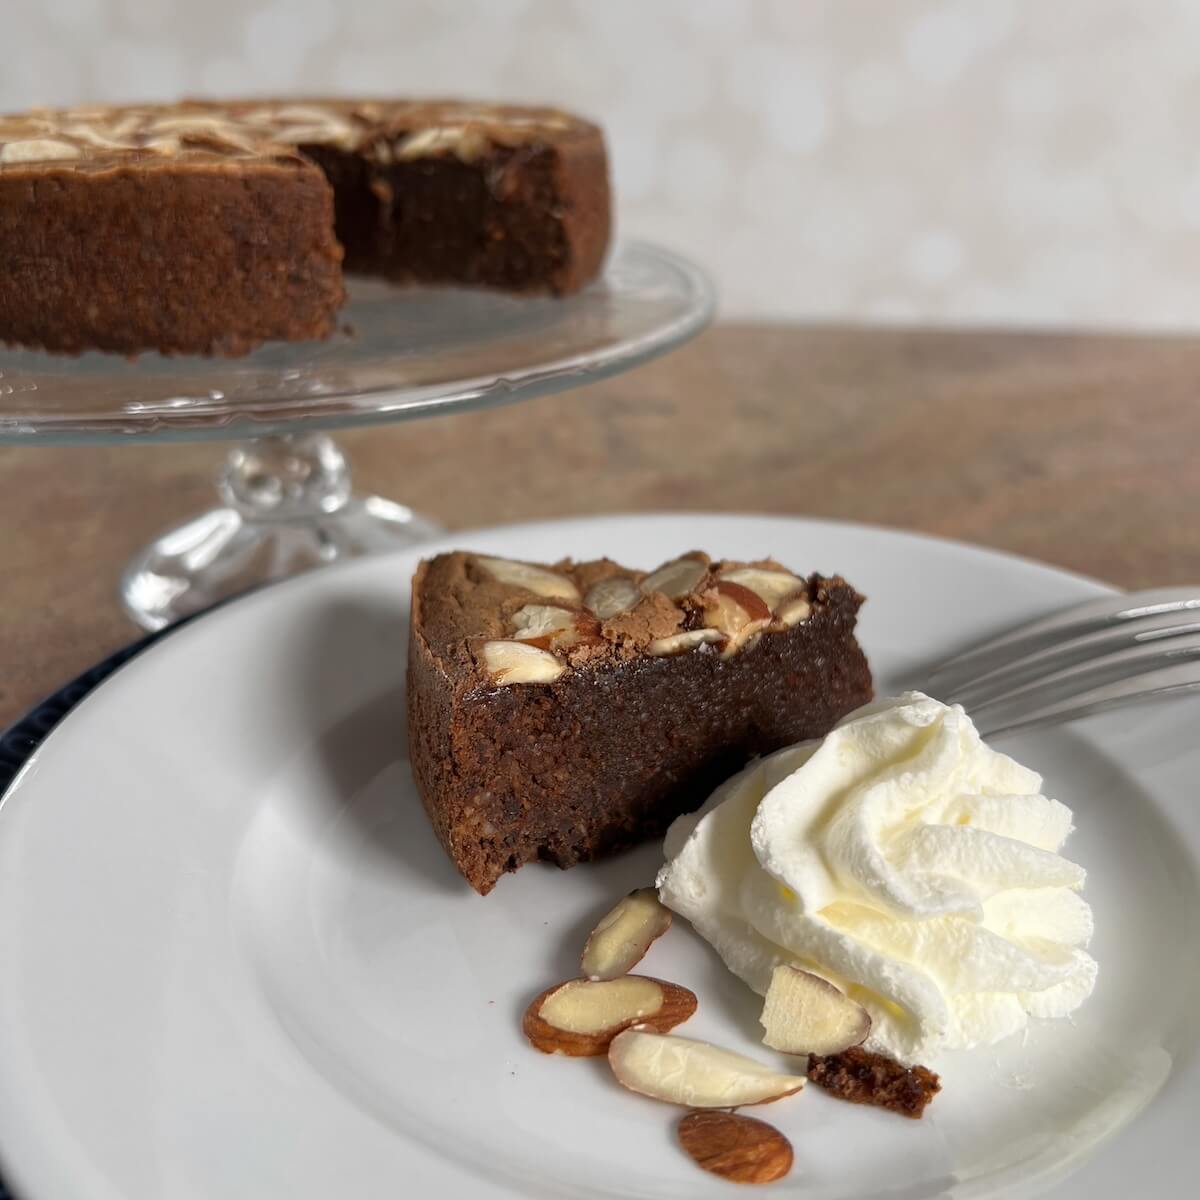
207 227
566 712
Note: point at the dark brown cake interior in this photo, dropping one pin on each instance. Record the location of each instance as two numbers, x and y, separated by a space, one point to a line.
447 221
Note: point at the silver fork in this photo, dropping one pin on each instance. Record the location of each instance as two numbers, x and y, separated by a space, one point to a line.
1078 661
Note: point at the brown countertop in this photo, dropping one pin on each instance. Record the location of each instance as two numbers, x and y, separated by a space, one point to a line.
1079 450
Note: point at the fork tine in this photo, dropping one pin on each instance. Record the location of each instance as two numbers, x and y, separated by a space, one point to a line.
1073 622
1091 673
1159 682
1158 629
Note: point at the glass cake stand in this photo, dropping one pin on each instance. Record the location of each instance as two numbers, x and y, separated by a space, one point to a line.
401 352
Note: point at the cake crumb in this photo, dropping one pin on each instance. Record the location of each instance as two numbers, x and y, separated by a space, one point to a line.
862 1077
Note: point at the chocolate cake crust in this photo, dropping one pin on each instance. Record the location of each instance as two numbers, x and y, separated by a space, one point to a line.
208 227
649 708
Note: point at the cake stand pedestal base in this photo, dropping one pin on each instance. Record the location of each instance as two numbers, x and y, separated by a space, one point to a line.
287 507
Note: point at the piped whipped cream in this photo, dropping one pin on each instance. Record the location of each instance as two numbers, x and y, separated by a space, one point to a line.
906 862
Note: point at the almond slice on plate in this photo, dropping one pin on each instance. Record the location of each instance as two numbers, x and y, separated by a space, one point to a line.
805 1014
539 580
735 1147
624 934
695 1074
581 1017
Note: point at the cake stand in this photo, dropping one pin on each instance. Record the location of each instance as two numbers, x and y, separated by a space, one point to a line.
400 353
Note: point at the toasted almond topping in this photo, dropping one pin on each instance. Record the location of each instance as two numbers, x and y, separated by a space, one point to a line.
539 580
38 150
612 596
676 578
325 134
465 142
191 124
792 612
751 604
689 639
106 137
744 639
510 662
737 612
165 144
537 620
770 586
300 113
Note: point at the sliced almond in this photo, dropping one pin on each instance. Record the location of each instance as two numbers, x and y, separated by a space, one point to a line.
612 596
738 612
586 628
539 580
581 1017
463 141
770 586
106 137
696 1074
676 578
805 1014
792 612
538 620
742 641
189 123
624 934
317 133
749 604
735 1147
689 639
167 145
38 150
511 662
552 628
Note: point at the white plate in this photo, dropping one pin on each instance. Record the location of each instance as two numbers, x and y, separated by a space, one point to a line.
237 966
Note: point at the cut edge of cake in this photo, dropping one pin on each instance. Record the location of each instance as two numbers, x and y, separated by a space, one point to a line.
213 227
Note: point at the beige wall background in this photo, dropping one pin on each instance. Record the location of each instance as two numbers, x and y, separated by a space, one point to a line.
1032 162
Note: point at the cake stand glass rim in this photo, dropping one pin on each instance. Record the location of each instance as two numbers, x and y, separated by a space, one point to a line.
648 301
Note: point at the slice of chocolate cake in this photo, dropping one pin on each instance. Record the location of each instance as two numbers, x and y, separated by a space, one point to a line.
208 227
566 712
